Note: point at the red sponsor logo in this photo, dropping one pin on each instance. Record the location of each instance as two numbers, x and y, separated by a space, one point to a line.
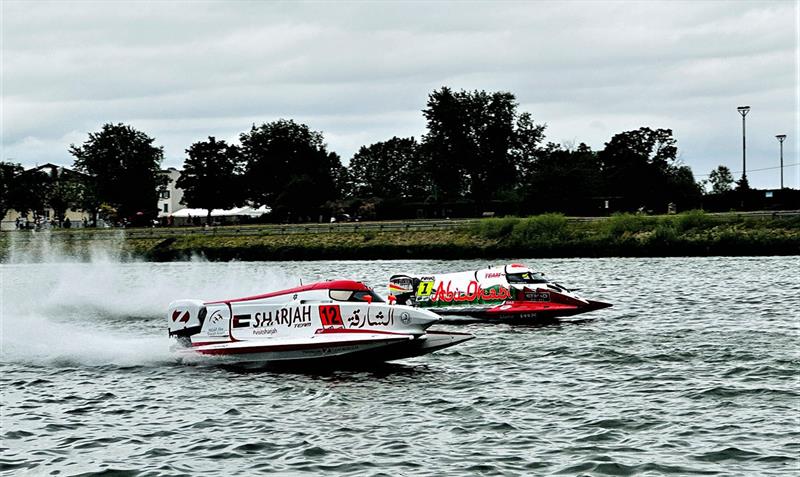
474 293
494 274
177 313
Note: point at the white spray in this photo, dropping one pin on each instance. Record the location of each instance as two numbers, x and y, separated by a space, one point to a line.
96 306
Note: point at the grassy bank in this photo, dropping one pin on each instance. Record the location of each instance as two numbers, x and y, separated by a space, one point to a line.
689 234
551 235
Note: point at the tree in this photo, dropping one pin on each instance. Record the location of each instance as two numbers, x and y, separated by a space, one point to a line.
343 182
641 168
9 186
494 170
34 190
526 149
23 191
743 184
446 145
211 176
562 180
65 191
387 169
476 143
721 180
123 167
289 168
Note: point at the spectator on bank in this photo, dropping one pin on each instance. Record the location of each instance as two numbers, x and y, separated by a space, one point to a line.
67 223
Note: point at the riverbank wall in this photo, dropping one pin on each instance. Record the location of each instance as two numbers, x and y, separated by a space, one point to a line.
693 233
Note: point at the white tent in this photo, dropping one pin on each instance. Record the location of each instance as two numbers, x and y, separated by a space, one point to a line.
234 212
201 214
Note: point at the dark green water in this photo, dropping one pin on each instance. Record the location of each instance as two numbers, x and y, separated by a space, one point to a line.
694 371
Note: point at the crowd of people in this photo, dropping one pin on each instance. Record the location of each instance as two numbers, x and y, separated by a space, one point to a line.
42 223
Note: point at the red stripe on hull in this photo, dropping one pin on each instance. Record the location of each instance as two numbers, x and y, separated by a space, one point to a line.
325 331
529 307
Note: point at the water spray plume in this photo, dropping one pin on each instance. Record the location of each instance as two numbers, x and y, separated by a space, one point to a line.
92 304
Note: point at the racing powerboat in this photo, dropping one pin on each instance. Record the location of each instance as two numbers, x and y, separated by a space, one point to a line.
325 322
509 292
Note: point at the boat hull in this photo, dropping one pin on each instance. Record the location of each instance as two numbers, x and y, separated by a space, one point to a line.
522 312
366 349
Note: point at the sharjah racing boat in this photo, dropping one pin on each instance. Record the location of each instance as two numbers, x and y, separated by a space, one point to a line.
325 322
496 293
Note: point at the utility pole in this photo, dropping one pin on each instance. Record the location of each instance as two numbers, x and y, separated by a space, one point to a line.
743 110
781 137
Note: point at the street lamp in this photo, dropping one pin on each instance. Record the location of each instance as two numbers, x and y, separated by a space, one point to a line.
781 137
743 110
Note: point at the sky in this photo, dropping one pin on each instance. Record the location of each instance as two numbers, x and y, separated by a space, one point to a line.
361 72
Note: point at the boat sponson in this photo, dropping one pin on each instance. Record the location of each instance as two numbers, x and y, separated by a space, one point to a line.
361 347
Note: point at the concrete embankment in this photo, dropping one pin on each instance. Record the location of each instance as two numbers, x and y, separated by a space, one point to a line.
551 235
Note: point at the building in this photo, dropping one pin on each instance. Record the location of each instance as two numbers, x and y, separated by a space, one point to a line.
169 198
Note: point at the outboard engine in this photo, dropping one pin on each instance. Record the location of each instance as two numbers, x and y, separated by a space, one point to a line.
185 318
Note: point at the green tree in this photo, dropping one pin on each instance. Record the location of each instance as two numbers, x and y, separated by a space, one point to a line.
211 176
446 145
65 191
476 144
641 168
721 180
123 168
562 180
493 170
9 186
387 169
526 148
343 182
743 184
23 191
289 168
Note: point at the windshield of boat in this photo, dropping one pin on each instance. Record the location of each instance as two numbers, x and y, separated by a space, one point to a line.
526 277
350 295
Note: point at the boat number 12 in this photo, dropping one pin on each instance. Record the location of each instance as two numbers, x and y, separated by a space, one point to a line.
330 315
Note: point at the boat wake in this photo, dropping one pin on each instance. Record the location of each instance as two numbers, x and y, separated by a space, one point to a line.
105 309
36 339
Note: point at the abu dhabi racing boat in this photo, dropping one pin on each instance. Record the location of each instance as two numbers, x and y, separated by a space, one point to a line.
326 322
509 292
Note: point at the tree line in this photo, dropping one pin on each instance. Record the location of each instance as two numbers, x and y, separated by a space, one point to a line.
479 154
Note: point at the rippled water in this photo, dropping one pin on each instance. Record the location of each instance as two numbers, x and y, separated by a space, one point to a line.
694 371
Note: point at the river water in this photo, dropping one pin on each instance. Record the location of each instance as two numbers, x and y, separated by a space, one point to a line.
693 371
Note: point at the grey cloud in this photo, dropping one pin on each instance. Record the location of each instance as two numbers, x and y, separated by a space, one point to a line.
361 72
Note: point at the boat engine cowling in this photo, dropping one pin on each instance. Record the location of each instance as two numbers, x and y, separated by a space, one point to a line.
403 288
186 317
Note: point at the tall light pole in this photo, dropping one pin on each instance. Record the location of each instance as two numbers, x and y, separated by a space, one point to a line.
743 110
781 137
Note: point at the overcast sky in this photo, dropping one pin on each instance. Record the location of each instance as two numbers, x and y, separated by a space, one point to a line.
361 72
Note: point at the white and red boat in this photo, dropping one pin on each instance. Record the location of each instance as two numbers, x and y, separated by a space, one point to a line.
509 292
326 322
